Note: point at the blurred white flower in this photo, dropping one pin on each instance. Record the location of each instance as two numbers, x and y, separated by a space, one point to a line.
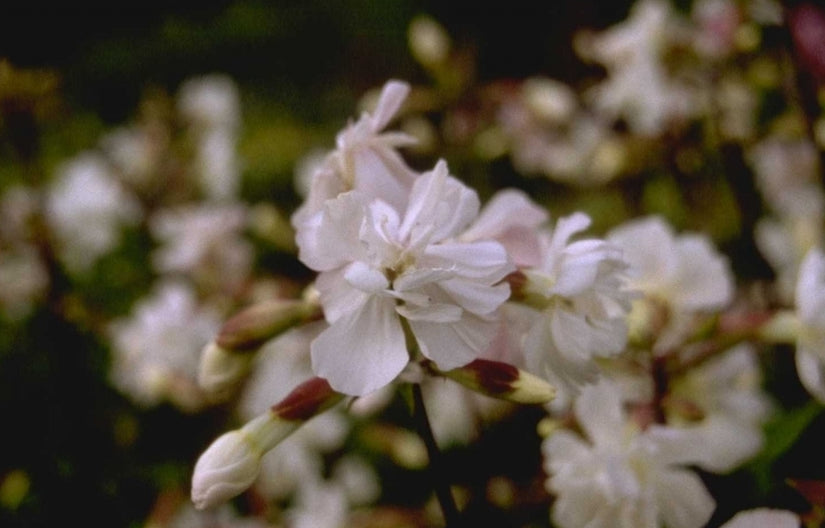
211 105
722 408
320 505
156 350
136 153
785 172
547 132
638 87
619 476
786 175
204 242
210 101
580 301
810 310
86 209
378 263
684 273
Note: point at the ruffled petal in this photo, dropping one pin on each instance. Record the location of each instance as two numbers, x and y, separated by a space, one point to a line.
330 237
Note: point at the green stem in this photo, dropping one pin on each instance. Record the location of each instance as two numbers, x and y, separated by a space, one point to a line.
440 482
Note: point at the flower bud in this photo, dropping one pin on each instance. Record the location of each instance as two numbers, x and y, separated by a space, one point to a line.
503 381
220 371
252 327
231 464
225 469
428 41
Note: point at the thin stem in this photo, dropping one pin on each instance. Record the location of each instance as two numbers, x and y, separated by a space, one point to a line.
440 482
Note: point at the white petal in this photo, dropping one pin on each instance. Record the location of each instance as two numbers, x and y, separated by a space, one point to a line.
477 298
452 345
381 174
330 238
683 500
599 411
338 297
479 260
811 371
565 228
367 279
704 281
362 351
810 299
392 97
415 279
763 518
507 209
433 312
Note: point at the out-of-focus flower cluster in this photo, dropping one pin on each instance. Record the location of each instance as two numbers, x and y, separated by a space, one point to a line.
632 289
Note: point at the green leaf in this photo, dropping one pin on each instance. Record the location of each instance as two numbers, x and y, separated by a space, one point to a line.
781 434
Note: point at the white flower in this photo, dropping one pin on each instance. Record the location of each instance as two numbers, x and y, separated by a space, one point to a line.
212 107
680 276
638 87
785 171
726 395
685 272
210 101
549 133
378 264
619 476
810 310
204 242
578 291
365 160
157 349
86 209
763 518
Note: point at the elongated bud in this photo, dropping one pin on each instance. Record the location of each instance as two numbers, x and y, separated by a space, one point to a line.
503 381
220 371
231 464
252 327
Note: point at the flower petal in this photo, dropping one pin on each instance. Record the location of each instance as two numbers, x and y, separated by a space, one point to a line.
683 500
452 345
362 351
